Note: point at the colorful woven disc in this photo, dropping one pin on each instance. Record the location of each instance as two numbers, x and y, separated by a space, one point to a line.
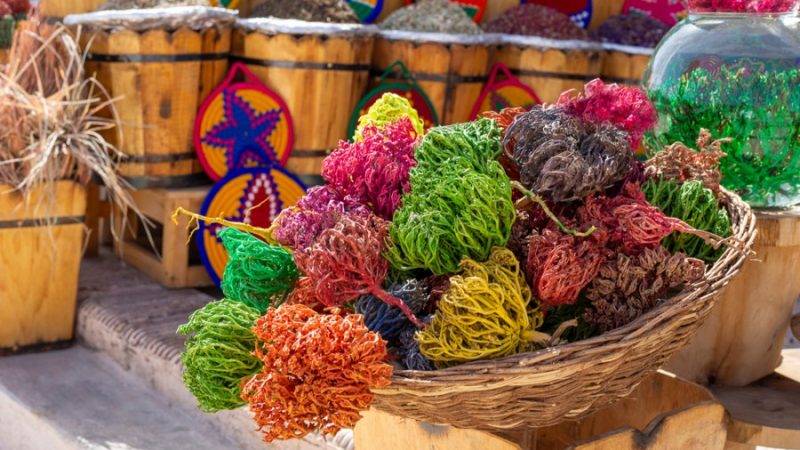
404 86
366 10
230 4
242 125
504 93
580 11
254 196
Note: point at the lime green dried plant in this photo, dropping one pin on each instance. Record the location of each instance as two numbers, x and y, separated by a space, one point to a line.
218 354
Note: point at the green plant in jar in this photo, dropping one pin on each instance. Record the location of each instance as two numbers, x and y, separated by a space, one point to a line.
735 71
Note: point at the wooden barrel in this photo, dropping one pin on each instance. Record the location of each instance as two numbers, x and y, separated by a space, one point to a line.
742 339
42 238
320 70
624 64
160 76
450 69
549 66
62 8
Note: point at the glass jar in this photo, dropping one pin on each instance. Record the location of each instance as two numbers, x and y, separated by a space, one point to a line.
735 71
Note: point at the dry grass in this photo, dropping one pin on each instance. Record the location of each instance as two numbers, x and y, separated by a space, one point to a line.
53 117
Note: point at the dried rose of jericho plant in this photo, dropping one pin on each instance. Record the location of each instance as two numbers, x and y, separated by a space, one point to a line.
681 163
52 116
629 286
346 262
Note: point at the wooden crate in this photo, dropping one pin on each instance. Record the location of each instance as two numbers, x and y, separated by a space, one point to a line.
172 262
767 412
98 219
741 340
663 413
39 264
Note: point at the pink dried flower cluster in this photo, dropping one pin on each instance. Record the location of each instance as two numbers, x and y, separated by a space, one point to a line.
376 170
751 6
320 209
627 108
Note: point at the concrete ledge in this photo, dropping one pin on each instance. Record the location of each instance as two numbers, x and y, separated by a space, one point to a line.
79 399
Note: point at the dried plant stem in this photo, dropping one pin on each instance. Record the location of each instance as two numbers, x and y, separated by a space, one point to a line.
530 196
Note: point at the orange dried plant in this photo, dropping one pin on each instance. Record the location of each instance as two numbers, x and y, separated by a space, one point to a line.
318 372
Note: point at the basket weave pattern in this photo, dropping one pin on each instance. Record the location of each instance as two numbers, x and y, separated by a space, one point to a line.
570 381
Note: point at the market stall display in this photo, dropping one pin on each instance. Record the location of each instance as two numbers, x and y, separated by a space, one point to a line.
329 11
473 280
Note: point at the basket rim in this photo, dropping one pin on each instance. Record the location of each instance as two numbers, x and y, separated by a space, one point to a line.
717 276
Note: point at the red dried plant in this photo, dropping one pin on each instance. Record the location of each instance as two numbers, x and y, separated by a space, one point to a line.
346 261
560 265
318 372
632 222
18 6
505 117
304 293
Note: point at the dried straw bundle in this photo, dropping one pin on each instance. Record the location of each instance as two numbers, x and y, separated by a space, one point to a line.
52 116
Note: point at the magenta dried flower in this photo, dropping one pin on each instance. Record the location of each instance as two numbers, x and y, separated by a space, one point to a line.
320 209
376 170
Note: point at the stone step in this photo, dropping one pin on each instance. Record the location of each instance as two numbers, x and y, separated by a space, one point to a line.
81 399
133 320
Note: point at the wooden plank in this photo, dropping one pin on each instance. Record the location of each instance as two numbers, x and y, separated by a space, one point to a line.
39 265
766 413
93 219
700 426
144 260
663 413
380 430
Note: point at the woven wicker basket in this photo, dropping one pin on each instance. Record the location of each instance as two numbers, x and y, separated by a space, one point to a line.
570 381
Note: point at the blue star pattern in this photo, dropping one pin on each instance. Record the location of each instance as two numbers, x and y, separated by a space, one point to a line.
244 135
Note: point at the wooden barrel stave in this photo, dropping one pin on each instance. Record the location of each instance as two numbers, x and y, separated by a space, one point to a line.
61 8
624 68
42 237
